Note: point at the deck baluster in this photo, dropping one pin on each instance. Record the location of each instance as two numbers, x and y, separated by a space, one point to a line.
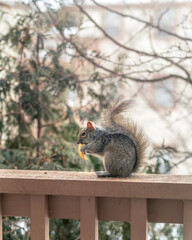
187 220
39 218
138 219
89 218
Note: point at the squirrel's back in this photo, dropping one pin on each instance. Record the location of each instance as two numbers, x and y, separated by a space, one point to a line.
113 121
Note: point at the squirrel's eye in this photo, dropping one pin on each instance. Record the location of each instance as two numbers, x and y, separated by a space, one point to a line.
83 134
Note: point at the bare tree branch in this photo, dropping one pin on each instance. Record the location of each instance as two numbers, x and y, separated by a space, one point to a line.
188 78
147 23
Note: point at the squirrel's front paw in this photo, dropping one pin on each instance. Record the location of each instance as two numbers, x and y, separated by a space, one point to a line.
83 149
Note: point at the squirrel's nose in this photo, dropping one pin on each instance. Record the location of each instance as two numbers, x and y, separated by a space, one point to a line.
77 141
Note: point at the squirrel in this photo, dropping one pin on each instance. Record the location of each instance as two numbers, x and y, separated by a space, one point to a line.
118 140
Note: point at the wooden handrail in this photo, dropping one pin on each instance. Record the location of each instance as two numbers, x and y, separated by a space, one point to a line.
80 195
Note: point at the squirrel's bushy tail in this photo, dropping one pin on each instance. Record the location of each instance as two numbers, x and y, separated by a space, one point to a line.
111 119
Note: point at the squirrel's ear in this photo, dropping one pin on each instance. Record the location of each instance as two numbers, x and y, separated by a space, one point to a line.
90 126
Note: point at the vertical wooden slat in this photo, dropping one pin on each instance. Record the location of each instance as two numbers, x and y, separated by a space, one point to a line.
187 220
138 219
89 218
1 223
39 217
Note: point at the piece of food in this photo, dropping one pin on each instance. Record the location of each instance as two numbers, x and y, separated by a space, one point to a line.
82 155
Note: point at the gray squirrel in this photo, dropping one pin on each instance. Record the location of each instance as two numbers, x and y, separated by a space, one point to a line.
118 140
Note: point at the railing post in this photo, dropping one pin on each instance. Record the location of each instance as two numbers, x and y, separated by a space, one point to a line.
138 219
1 222
39 217
187 220
89 218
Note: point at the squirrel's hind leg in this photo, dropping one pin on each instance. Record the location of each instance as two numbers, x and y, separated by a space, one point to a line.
105 174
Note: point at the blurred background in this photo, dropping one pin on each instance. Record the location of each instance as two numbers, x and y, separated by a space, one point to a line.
62 62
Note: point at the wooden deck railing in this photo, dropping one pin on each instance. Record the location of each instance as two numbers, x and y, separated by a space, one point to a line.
41 195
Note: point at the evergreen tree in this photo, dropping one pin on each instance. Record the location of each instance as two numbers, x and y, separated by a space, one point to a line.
38 127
